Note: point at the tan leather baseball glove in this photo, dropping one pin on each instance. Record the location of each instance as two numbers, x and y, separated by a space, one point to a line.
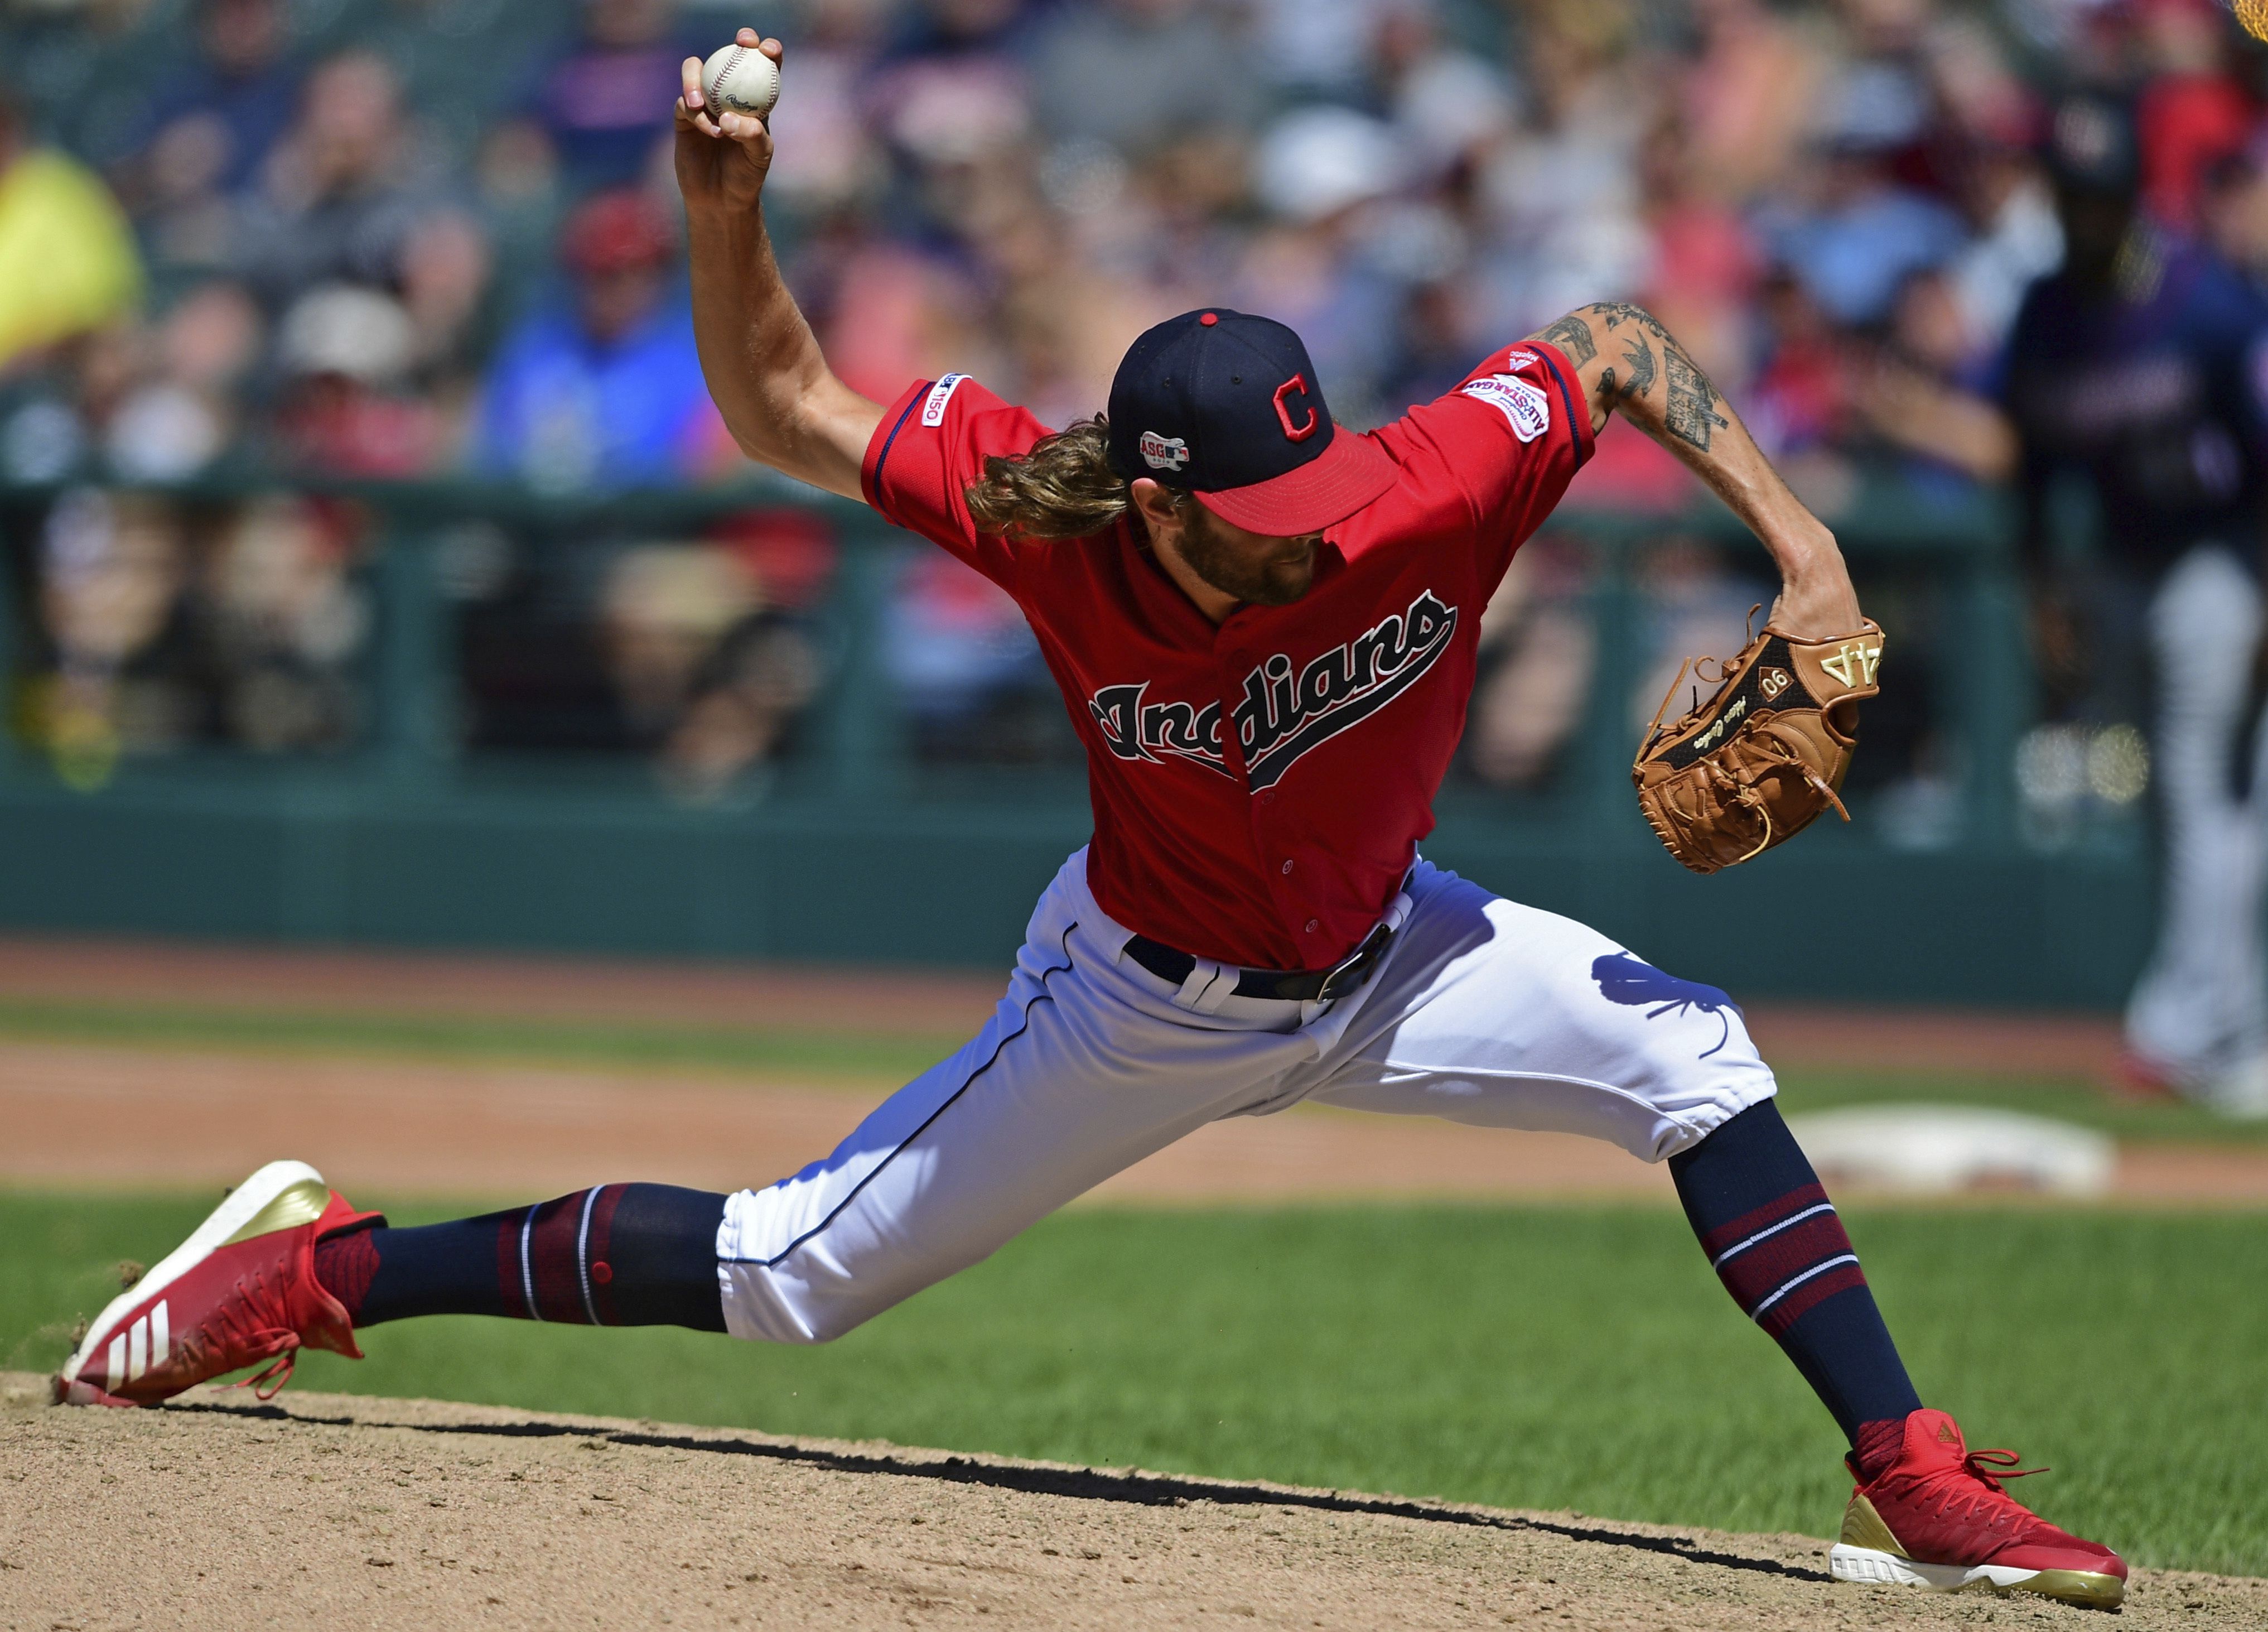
1750 766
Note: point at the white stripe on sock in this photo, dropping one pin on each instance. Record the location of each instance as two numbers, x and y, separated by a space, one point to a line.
1789 1286
527 1269
583 1252
1717 1262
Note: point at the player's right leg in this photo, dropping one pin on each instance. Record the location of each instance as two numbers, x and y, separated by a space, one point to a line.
1089 1065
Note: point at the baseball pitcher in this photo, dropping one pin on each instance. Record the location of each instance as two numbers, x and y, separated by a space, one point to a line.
1263 626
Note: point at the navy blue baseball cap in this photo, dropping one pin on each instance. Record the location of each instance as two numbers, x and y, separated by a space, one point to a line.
2091 147
1224 406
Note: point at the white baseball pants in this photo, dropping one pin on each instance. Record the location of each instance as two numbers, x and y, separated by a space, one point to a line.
1482 1011
2200 1009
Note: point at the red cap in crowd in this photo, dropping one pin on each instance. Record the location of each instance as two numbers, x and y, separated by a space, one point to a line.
618 232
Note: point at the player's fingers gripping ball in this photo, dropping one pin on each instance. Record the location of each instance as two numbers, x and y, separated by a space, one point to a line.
1752 764
740 79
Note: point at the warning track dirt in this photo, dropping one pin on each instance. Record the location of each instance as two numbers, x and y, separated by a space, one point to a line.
333 1509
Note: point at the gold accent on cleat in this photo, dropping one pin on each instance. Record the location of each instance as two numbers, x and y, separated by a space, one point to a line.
2087 1588
1862 1526
299 1202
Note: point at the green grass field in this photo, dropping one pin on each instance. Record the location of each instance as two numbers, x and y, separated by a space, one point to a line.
1574 1357
862 1060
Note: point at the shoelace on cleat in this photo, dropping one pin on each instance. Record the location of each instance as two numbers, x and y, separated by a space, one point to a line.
2002 1462
1973 1492
245 1328
280 1369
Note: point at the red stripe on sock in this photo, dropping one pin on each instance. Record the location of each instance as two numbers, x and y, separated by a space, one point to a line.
1810 1295
1754 1273
1742 1228
344 1267
552 1261
601 1239
1877 1445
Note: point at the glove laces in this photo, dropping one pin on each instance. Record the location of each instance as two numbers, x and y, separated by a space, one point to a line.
1745 792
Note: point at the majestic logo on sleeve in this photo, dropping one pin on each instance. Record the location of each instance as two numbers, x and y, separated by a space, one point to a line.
1282 715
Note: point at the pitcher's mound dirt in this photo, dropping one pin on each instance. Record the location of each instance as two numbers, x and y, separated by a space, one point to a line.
336 1510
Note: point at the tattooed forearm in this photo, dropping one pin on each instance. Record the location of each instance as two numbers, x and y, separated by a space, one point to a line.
1615 314
1692 411
1639 356
1625 359
1571 335
1673 387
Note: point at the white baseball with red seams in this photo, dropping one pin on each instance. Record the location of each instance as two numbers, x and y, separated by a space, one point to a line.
741 80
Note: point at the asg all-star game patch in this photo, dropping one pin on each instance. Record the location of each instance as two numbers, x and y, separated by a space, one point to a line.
1523 404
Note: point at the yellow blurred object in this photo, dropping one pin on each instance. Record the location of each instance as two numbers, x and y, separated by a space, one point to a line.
67 257
2252 16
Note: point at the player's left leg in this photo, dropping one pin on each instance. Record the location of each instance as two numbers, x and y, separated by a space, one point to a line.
1496 1014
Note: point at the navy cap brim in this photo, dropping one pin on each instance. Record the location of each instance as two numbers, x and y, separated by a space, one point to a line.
1349 474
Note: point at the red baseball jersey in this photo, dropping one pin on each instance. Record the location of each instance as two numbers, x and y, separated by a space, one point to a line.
1277 842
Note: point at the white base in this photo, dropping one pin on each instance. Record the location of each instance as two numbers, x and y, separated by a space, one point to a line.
237 1210
1870 1568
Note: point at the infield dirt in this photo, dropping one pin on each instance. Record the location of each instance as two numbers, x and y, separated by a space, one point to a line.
327 1509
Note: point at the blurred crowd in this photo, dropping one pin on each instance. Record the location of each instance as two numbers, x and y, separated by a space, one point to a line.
399 238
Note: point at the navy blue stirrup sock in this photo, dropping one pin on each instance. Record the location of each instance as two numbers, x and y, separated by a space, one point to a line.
1774 1239
622 1255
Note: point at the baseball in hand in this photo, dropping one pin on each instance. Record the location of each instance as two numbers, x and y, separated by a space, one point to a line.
739 79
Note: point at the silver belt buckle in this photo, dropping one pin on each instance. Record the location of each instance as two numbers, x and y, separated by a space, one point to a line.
1351 971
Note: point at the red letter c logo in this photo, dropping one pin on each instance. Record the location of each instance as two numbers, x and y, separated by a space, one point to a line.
1297 384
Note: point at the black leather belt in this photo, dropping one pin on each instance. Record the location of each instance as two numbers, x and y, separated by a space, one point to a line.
1294 985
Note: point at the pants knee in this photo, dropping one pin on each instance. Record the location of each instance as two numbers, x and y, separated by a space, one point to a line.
766 1314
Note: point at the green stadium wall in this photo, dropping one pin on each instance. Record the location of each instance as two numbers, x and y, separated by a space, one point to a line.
1822 918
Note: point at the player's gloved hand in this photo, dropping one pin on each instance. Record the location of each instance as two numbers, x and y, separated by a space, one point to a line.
1753 765
722 158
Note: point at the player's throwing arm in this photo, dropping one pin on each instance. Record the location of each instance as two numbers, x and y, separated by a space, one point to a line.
783 404
1758 760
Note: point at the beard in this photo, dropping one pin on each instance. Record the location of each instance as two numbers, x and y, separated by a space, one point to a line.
1277 579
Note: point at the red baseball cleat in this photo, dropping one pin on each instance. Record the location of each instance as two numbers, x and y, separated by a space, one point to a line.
240 1290
1937 1517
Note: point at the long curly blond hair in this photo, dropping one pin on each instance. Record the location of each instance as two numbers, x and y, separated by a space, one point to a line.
1064 487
